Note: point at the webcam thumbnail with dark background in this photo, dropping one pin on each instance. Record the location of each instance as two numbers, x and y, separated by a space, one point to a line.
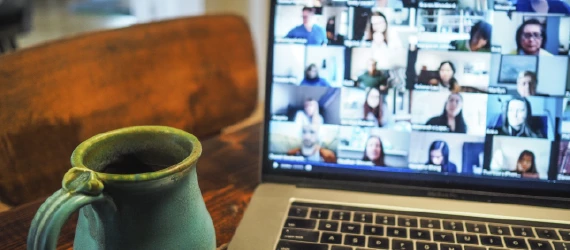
455 87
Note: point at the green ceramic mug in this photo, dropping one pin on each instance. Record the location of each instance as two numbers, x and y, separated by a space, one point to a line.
135 188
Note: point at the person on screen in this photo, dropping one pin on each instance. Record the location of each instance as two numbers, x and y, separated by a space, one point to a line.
314 34
531 39
526 165
310 114
479 41
373 151
452 116
310 148
445 77
526 83
543 6
373 78
312 77
332 36
374 106
516 116
378 33
439 156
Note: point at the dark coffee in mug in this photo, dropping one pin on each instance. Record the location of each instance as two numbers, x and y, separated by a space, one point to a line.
133 163
138 154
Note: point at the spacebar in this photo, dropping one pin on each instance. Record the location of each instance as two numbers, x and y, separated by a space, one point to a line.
293 245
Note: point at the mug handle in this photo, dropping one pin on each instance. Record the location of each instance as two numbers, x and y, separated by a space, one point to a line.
80 187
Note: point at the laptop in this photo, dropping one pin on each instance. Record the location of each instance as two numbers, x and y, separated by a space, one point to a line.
427 125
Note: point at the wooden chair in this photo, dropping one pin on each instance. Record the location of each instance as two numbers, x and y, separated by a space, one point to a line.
197 74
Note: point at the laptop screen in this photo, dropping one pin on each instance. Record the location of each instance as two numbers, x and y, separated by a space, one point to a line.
442 90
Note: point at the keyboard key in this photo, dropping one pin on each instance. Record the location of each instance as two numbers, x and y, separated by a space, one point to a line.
319 214
340 248
443 246
430 223
399 232
350 228
331 238
354 240
363 217
296 245
479 228
402 244
328 225
379 242
500 230
453 225
565 234
300 223
523 231
407 221
539 244
443 236
298 211
561 246
419 234
341 215
473 248
467 239
491 240
497 248
426 246
300 235
374 230
516 243
546 233
387 220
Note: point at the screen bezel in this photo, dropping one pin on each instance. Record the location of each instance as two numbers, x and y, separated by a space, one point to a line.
444 186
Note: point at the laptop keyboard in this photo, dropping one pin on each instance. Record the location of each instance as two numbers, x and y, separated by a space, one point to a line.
312 226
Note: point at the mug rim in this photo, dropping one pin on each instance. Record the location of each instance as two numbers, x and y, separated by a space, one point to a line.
80 151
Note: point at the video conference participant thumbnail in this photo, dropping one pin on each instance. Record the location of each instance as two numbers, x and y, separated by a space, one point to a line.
519 157
373 146
382 28
369 107
309 142
528 34
288 63
443 31
448 71
517 116
449 112
528 75
479 39
446 153
302 105
307 25
534 6
564 159
308 66
324 66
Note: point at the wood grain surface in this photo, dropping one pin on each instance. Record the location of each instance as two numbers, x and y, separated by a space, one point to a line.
228 171
197 74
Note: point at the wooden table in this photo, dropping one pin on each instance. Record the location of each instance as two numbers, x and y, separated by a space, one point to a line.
228 171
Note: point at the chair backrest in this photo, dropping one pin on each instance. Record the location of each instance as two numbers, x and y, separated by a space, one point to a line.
197 74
